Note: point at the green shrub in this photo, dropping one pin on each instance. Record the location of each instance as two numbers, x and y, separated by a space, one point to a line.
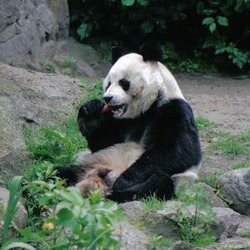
216 32
72 221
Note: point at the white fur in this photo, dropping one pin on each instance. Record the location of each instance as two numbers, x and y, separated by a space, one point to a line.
147 79
191 173
116 158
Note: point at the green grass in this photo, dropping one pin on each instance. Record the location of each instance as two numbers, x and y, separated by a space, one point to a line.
246 234
211 179
55 144
233 145
94 90
48 66
240 165
60 144
69 67
161 241
204 124
152 203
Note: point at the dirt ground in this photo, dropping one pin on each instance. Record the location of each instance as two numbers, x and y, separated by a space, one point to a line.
224 101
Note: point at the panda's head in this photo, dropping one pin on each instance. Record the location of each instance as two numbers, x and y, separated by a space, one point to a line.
136 81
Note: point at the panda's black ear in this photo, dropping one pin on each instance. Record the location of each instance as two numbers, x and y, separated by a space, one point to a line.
151 51
116 53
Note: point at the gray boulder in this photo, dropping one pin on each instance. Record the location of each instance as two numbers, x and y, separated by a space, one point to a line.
229 219
130 237
182 245
30 98
235 187
28 27
168 221
152 222
20 218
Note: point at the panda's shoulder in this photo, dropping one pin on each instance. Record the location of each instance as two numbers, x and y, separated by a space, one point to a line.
175 109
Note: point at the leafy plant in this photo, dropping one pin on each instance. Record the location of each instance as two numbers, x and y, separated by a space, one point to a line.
73 221
217 21
194 224
8 214
55 145
204 33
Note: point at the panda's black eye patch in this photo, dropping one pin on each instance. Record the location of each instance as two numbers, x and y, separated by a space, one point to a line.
109 83
125 84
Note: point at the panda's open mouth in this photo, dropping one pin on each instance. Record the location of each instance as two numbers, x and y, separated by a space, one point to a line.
118 110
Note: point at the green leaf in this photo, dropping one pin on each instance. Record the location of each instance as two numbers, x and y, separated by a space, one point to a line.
208 21
200 7
128 2
84 30
72 195
64 139
44 200
223 21
65 214
143 2
8 214
15 245
212 27
147 26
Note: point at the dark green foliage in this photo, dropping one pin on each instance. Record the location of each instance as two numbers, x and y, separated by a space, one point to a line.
192 32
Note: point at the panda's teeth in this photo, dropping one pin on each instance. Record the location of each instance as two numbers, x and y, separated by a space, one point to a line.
118 110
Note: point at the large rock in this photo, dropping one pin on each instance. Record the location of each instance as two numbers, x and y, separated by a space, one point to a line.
28 27
151 222
169 221
131 238
31 98
229 219
235 187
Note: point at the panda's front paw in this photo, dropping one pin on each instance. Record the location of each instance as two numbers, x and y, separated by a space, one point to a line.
91 108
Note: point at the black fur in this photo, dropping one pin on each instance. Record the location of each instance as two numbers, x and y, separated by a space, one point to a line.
172 145
151 51
116 53
70 174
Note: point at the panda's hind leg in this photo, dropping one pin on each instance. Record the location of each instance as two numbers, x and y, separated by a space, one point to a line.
91 184
160 185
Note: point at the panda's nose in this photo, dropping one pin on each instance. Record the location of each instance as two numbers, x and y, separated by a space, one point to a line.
107 99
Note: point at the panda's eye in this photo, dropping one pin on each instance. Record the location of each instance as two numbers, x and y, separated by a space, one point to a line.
125 84
109 83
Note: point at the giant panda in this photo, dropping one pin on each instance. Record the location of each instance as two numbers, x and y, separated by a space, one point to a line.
141 135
